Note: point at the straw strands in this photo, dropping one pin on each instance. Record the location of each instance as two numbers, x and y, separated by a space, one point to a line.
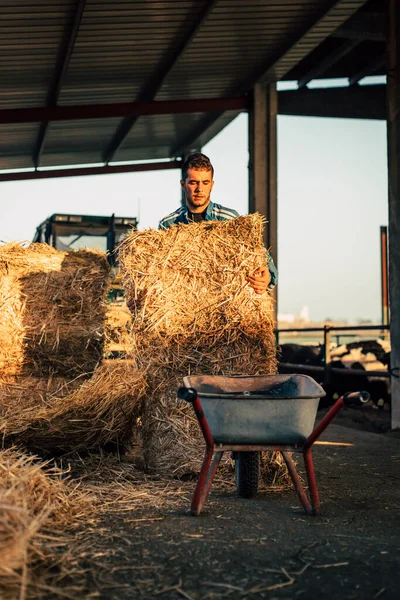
31 391
191 280
193 313
38 509
102 411
52 308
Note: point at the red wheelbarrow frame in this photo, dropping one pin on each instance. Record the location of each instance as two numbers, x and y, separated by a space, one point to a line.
214 452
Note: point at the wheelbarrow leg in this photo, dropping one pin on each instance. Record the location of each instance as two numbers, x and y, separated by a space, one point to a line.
207 474
312 484
297 483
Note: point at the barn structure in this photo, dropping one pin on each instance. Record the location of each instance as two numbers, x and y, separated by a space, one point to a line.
98 83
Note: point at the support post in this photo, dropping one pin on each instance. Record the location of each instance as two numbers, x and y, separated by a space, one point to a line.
393 131
327 354
384 279
263 163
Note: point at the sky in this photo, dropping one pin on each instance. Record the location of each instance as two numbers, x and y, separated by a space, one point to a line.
332 200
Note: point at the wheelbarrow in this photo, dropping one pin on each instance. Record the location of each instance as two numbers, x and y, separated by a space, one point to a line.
247 415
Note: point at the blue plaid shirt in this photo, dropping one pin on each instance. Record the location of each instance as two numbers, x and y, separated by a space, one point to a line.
214 212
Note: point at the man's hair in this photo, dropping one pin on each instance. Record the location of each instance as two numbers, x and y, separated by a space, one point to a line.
198 161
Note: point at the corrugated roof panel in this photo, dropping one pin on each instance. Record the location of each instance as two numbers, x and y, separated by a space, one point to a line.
31 34
69 156
16 142
163 130
120 45
125 50
240 39
86 136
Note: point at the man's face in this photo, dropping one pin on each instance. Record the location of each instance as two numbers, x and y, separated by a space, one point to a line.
197 188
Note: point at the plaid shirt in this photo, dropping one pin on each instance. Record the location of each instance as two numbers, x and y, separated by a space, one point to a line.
214 212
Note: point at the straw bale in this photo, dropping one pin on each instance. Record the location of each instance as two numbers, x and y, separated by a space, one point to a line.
52 307
190 280
102 411
172 440
194 313
38 510
35 392
12 331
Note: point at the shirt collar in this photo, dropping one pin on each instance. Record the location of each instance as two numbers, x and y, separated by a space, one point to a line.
208 216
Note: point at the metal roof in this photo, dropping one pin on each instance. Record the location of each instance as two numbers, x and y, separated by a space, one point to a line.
95 53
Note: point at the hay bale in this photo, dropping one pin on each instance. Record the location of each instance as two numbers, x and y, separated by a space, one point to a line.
194 313
33 392
101 412
12 331
190 281
52 309
172 440
38 509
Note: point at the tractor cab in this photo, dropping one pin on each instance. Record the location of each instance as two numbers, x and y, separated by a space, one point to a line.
72 232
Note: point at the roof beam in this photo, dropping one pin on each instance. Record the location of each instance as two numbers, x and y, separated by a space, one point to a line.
286 57
150 91
308 38
369 69
323 65
61 70
80 171
122 109
358 102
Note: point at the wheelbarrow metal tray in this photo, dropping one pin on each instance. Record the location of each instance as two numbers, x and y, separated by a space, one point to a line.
263 409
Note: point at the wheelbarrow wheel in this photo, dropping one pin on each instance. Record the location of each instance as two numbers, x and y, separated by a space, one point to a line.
247 470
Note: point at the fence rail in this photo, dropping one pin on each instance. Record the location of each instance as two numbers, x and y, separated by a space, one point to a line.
327 368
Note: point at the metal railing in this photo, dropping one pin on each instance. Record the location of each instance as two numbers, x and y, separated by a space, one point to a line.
327 368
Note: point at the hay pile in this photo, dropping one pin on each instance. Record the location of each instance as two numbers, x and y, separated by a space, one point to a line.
52 310
33 392
38 509
193 313
101 412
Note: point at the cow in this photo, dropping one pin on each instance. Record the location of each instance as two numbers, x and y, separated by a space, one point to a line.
297 354
365 355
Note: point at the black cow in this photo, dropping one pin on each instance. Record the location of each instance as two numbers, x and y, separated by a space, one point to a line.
296 354
365 355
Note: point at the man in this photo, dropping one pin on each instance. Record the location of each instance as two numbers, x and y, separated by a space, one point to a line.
197 184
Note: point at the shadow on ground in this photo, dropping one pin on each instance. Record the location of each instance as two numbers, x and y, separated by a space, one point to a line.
262 548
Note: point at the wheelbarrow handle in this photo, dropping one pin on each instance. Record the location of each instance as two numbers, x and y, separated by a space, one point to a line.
348 399
356 398
188 394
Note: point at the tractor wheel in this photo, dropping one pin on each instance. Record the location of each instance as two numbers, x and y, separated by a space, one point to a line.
247 470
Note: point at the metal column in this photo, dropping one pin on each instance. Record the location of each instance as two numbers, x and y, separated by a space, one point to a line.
263 163
384 277
393 130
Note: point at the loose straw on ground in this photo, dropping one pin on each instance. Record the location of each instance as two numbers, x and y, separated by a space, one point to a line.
38 512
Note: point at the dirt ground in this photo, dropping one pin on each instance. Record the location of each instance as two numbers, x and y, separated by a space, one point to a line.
264 547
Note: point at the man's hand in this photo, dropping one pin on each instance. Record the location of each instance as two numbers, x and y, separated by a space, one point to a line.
259 280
